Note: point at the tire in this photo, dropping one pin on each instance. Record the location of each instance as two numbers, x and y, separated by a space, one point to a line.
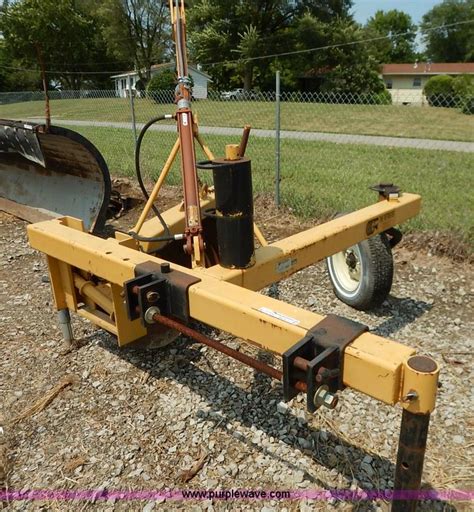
362 275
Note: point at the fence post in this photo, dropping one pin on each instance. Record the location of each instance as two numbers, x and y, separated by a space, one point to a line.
132 108
277 139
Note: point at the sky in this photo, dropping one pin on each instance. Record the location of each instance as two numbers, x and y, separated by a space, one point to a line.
364 9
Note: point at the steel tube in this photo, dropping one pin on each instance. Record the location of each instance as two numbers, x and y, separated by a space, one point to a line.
244 141
410 457
217 345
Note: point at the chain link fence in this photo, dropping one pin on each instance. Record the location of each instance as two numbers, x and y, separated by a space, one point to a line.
316 153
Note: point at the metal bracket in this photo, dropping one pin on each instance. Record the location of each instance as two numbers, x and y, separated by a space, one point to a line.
317 359
158 286
386 190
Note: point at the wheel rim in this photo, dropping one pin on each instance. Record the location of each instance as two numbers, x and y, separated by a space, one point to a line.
346 270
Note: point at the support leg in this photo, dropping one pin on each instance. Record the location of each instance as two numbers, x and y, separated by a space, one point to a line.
410 457
64 320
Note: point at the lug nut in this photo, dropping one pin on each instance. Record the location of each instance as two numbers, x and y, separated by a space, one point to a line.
323 397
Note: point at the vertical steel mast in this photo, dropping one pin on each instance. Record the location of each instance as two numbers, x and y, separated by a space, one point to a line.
184 117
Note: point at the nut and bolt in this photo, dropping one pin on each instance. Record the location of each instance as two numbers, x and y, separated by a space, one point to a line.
323 397
152 296
410 396
150 313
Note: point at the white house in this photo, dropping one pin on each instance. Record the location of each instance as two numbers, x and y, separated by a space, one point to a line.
406 81
125 81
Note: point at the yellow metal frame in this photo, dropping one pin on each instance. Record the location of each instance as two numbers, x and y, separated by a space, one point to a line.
226 299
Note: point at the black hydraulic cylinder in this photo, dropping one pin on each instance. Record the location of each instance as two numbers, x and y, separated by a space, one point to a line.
410 458
234 211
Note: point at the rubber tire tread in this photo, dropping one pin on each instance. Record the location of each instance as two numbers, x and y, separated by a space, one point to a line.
378 260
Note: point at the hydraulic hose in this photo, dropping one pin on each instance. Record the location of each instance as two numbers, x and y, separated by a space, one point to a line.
138 145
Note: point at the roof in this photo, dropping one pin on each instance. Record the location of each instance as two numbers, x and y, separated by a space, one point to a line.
165 65
418 68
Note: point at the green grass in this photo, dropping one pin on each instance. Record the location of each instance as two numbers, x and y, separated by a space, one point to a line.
320 178
393 120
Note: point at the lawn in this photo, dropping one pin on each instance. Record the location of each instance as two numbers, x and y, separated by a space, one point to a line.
392 120
320 178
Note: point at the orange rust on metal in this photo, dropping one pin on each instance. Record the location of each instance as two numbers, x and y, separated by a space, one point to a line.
217 345
244 141
422 364
301 363
45 87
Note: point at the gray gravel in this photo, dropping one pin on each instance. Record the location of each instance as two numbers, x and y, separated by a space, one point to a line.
137 420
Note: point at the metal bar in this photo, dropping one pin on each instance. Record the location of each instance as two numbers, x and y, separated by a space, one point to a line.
259 235
277 139
410 457
281 259
244 141
372 364
132 109
220 347
47 109
88 289
209 154
157 187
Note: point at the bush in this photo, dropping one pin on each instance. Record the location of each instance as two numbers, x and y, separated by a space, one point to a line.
161 86
439 91
468 106
463 87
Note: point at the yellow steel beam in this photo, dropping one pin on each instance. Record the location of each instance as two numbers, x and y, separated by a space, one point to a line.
372 365
281 259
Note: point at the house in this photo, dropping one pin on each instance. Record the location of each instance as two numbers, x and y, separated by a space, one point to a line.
125 81
406 81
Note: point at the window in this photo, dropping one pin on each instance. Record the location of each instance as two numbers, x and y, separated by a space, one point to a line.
417 81
389 83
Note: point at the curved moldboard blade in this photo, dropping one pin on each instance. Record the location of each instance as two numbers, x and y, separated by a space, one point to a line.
52 173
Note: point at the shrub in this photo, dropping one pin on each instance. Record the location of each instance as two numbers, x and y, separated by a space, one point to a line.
468 106
439 91
161 86
463 87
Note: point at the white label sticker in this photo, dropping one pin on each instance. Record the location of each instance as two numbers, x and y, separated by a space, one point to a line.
280 316
185 119
285 265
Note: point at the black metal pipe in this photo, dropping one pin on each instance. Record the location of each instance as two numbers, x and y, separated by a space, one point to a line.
410 457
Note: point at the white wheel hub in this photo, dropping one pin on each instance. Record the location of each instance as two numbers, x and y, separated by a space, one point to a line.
345 269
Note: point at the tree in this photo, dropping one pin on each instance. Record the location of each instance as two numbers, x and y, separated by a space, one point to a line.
67 40
399 33
453 43
11 77
137 31
342 66
225 30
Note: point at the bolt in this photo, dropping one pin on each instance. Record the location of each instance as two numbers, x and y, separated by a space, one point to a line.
165 267
410 396
150 313
152 296
323 397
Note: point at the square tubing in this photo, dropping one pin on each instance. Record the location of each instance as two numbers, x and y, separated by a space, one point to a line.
380 368
410 458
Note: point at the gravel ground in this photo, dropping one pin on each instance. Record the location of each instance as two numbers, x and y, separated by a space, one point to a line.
138 420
